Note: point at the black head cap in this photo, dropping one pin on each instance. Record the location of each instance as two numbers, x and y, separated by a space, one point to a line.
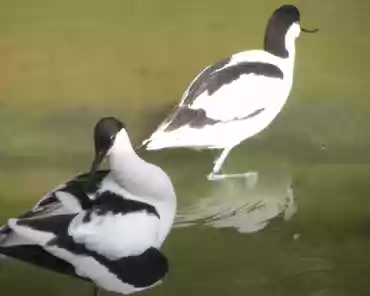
277 27
287 14
105 132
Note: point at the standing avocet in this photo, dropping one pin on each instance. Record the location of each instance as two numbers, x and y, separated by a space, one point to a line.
106 226
237 97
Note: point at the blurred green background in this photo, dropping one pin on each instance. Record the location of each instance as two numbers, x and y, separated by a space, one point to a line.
64 64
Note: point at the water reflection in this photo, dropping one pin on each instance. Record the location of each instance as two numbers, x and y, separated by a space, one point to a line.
233 203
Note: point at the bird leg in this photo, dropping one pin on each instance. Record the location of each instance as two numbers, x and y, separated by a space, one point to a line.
251 177
95 291
218 165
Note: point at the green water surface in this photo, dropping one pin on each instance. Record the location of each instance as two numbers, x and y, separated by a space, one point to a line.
304 229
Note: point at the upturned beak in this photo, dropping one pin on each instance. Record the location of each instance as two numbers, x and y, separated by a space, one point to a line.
309 30
99 156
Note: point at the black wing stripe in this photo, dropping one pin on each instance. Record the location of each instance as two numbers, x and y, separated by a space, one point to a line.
58 225
212 80
230 74
197 118
116 204
47 201
200 83
36 255
75 187
140 271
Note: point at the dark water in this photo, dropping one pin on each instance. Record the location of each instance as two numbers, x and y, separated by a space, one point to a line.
301 229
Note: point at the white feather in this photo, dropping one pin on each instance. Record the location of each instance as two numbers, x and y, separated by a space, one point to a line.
69 202
115 235
36 236
100 229
232 102
89 268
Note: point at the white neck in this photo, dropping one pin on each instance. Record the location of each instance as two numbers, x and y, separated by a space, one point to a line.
122 144
135 174
290 39
142 181
124 163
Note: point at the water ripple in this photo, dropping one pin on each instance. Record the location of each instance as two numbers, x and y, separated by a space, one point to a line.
232 203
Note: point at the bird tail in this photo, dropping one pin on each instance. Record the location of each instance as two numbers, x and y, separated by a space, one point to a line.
158 140
4 230
3 233
148 145
154 142
143 144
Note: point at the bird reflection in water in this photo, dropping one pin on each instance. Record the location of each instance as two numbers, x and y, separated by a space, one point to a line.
230 203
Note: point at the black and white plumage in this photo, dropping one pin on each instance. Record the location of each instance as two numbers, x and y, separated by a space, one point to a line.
237 97
105 226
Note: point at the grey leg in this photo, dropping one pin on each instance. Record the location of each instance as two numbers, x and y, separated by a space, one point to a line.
251 177
218 164
95 291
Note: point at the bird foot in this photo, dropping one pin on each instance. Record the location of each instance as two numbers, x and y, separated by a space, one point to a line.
251 178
